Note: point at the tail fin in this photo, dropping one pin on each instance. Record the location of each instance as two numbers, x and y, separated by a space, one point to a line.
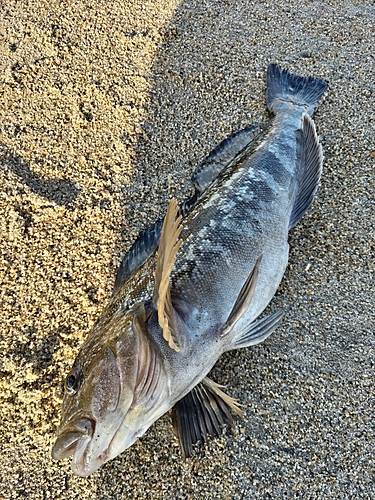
285 88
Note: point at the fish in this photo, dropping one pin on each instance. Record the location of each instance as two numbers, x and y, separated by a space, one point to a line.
194 285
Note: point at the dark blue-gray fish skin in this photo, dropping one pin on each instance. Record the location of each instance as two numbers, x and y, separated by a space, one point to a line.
192 287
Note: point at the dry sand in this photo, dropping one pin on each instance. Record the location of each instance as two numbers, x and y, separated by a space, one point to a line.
105 109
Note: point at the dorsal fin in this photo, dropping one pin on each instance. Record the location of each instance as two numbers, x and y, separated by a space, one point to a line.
146 243
222 155
168 248
227 151
309 163
203 412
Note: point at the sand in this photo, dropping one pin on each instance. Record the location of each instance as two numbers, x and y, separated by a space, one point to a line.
105 110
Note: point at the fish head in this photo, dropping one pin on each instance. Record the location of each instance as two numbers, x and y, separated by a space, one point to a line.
115 390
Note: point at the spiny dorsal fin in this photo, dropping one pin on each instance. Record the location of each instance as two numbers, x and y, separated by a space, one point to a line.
243 300
309 163
225 153
203 412
168 248
146 243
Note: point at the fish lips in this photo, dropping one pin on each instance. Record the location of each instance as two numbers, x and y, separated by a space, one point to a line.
91 444
66 444
89 451
78 442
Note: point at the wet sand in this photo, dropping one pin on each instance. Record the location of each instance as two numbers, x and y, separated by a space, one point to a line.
105 110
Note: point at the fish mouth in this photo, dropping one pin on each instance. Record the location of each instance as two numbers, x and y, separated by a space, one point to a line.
89 449
75 442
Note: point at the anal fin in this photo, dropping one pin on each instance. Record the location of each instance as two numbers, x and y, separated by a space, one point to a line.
309 163
203 412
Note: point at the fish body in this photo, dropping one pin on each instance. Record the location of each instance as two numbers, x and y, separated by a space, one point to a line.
193 285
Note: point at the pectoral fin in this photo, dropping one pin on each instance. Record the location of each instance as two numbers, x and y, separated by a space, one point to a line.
243 300
258 331
168 248
203 412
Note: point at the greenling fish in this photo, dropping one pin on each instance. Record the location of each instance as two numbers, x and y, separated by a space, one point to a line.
193 285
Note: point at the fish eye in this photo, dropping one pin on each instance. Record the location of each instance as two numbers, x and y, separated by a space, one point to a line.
73 382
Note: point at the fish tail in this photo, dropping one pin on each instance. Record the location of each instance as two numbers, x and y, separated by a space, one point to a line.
285 88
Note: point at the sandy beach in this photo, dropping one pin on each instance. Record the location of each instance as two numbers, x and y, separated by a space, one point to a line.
106 108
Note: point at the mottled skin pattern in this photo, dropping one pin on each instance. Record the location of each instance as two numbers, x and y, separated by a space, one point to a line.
245 213
126 376
240 217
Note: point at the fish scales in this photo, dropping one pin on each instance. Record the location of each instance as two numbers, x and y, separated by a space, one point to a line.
193 285
261 187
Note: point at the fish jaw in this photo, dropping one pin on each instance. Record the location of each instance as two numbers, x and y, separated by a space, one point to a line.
68 438
121 389
89 442
98 444
89 452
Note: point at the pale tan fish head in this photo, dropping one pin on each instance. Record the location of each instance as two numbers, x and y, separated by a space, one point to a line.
115 390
